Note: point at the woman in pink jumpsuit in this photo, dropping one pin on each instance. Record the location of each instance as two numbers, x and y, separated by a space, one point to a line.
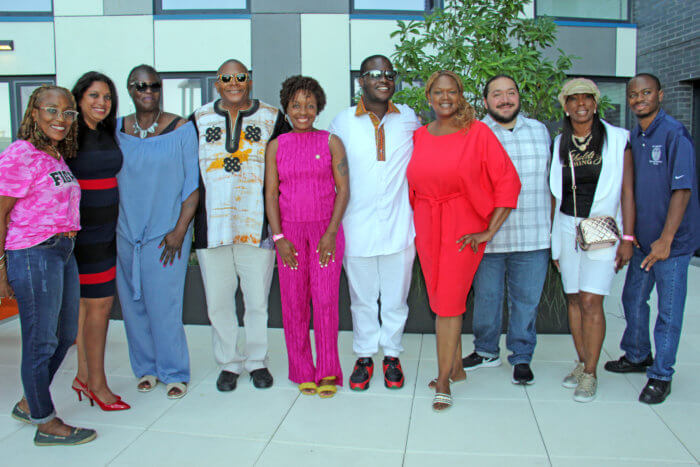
306 192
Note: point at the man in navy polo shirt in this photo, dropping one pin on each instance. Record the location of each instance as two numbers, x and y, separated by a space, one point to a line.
666 229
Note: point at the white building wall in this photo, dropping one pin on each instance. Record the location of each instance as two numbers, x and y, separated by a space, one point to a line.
34 49
112 45
325 55
200 45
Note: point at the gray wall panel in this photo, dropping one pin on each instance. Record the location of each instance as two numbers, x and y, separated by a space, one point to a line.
596 47
300 6
276 44
128 7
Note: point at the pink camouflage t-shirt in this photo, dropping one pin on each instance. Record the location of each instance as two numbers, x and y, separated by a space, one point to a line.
48 195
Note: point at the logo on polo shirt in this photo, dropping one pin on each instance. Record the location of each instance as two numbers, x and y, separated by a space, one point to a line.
656 154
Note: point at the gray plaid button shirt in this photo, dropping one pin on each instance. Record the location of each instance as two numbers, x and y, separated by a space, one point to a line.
528 227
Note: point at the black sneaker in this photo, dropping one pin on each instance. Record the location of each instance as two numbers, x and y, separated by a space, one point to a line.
522 374
361 374
393 374
262 379
227 381
655 392
474 361
625 366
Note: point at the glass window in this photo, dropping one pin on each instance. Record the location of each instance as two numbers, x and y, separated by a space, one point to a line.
5 116
182 96
615 91
394 6
14 96
26 7
202 6
615 10
185 92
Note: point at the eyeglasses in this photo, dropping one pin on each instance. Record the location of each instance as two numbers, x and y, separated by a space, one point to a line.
68 115
377 74
239 77
141 86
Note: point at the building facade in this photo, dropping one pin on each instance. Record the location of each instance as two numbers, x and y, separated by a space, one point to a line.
56 41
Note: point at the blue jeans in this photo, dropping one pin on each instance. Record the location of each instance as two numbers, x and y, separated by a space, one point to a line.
671 279
525 273
45 281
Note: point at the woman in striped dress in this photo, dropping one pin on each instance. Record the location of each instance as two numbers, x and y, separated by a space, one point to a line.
96 165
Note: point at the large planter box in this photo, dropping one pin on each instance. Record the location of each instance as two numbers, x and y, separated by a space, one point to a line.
552 317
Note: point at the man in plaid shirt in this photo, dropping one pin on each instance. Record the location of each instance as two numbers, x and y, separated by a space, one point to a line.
519 253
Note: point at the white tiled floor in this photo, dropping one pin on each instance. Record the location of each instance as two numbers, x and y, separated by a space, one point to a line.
493 423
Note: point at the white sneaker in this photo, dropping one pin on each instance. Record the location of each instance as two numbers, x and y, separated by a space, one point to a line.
571 380
586 389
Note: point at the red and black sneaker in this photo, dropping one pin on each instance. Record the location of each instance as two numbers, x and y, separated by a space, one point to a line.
361 374
393 374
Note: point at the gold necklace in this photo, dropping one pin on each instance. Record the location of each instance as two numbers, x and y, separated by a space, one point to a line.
581 143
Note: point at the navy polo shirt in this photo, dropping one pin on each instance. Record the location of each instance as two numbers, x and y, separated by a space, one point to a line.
664 161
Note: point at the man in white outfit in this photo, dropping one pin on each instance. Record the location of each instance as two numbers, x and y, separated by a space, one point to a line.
378 222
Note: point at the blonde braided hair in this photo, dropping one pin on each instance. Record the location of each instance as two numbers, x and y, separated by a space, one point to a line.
29 129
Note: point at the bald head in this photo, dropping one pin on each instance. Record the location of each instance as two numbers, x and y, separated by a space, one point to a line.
233 61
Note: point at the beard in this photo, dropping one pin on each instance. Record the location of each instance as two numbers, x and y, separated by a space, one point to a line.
502 119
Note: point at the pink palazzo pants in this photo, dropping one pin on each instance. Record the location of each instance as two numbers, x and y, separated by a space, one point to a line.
311 283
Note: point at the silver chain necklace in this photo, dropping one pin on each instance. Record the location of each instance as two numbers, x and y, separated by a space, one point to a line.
151 129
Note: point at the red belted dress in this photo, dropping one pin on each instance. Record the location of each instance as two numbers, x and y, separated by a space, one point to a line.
455 182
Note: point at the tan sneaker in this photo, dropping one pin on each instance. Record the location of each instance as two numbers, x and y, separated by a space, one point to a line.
572 379
586 389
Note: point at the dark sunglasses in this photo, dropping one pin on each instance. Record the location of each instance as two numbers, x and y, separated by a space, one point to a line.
239 77
377 74
141 86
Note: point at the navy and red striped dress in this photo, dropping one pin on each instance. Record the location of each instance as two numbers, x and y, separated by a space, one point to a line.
96 165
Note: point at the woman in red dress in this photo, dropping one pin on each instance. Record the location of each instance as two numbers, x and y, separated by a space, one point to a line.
462 186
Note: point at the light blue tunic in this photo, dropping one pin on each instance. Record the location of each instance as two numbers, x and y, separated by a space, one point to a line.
158 174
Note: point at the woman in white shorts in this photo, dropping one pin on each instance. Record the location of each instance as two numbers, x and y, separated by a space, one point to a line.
603 169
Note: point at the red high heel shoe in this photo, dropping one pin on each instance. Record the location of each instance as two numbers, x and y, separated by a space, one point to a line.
80 388
119 404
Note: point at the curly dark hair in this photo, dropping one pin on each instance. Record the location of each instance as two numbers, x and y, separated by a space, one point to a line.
29 130
109 124
302 83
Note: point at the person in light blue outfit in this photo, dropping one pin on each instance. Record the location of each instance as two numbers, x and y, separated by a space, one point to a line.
158 195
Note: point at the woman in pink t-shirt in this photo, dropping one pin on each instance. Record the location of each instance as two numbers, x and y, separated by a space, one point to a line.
39 217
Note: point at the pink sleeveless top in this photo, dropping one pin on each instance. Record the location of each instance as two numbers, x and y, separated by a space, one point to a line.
306 184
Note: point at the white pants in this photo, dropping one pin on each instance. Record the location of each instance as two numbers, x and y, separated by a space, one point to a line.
369 278
222 268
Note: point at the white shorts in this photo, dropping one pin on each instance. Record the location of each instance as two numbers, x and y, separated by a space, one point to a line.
579 273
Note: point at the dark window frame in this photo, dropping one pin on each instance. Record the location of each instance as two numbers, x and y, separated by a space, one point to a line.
430 6
14 83
589 20
27 13
158 10
206 79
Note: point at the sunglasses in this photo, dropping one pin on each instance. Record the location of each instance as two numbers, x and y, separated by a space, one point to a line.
377 74
239 77
141 86
68 115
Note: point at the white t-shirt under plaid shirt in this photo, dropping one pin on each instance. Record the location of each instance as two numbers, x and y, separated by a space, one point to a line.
528 227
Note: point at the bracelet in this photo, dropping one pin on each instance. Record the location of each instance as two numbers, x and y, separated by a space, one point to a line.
629 238
277 237
3 256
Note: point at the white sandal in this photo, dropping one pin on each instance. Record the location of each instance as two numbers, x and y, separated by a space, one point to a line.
152 383
182 387
442 398
434 382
